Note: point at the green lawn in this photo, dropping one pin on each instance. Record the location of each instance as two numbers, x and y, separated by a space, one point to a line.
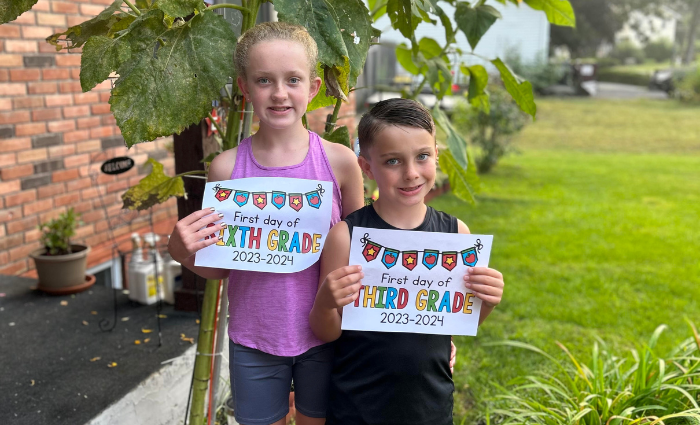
596 229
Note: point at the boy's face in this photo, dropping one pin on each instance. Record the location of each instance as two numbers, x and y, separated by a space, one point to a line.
402 160
278 82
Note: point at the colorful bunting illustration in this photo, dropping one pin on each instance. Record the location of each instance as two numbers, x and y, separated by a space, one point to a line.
277 198
260 199
409 259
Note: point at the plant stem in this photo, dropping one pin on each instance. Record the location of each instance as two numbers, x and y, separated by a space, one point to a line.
216 124
134 8
330 125
230 6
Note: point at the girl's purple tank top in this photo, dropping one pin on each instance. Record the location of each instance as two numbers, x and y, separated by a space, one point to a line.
270 311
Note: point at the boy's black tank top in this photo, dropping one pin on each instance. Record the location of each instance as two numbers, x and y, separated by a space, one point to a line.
388 378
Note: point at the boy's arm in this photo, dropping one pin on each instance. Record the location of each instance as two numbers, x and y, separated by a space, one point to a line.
187 236
486 283
347 173
339 284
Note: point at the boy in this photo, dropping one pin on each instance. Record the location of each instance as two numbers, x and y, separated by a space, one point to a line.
384 377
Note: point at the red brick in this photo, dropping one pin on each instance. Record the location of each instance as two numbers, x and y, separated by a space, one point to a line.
78 184
105 85
5 104
47 87
42 6
92 216
92 192
54 213
26 18
120 185
7 159
36 32
64 7
89 122
23 251
14 117
104 97
21 46
10 61
76 136
14 269
20 198
37 207
55 74
75 20
102 108
51 19
8 214
31 74
63 175
61 126
75 73
91 10
76 111
68 60
48 48
11 145
61 150
111 121
89 146
83 98
9 31
101 132
10 187
32 235
11 173
76 160
29 102
47 115
32 155
68 199
10 241
70 87
59 100
4 76
30 129
50 190
12 89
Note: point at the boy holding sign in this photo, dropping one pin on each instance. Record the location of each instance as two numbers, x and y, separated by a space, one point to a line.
392 377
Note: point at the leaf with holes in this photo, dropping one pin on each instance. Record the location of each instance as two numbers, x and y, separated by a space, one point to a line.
321 99
178 8
340 135
11 9
155 188
559 12
519 89
356 28
474 22
78 35
101 55
173 75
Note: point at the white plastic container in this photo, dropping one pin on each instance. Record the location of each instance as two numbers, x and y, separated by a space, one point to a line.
142 273
172 278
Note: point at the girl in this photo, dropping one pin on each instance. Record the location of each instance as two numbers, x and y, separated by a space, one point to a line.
271 345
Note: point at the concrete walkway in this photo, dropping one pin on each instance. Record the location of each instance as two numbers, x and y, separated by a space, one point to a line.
627 91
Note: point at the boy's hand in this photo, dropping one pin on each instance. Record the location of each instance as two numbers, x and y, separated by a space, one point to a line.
340 288
486 284
453 356
188 235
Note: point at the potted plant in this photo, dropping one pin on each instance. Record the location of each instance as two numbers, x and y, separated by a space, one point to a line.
61 264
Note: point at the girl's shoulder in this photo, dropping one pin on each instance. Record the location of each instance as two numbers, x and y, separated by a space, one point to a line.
340 156
221 167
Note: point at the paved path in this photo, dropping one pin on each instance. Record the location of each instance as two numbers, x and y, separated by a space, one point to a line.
627 91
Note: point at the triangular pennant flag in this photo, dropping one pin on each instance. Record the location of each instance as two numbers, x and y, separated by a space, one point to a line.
390 257
241 197
371 251
469 257
409 259
314 199
430 258
278 199
222 194
449 260
295 201
260 199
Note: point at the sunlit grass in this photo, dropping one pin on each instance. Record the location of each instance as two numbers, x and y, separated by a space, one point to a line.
596 229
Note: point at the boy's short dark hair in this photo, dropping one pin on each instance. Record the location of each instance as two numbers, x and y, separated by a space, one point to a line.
403 112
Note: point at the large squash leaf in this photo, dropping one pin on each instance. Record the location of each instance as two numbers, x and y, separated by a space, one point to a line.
357 32
520 90
475 21
321 99
559 12
101 55
78 35
11 9
153 189
340 135
462 182
401 15
178 8
173 75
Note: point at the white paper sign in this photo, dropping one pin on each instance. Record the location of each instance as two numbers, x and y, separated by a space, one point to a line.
414 281
274 224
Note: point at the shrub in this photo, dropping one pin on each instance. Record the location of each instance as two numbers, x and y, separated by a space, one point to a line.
624 51
490 131
623 76
659 50
540 73
614 390
687 88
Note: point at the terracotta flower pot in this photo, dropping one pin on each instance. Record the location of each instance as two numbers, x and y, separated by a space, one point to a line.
62 274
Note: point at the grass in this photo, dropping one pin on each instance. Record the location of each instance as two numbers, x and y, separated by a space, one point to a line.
596 231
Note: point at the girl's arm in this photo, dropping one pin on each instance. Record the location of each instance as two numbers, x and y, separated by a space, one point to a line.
188 235
347 173
486 283
339 284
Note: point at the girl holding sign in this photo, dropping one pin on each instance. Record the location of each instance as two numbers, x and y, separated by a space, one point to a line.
387 378
271 341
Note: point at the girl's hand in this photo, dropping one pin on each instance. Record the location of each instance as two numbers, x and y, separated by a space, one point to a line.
340 288
486 284
188 235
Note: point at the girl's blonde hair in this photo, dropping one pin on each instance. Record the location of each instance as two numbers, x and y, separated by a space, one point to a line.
268 31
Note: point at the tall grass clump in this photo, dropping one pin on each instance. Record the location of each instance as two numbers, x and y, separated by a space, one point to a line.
641 388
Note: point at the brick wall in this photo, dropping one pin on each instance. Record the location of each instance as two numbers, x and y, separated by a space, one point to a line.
53 138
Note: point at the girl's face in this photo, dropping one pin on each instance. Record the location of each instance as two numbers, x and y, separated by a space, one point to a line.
402 162
278 82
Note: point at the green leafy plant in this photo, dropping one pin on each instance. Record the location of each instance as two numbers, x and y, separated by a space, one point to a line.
490 130
625 51
659 50
540 73
687 86
611 389
56 233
